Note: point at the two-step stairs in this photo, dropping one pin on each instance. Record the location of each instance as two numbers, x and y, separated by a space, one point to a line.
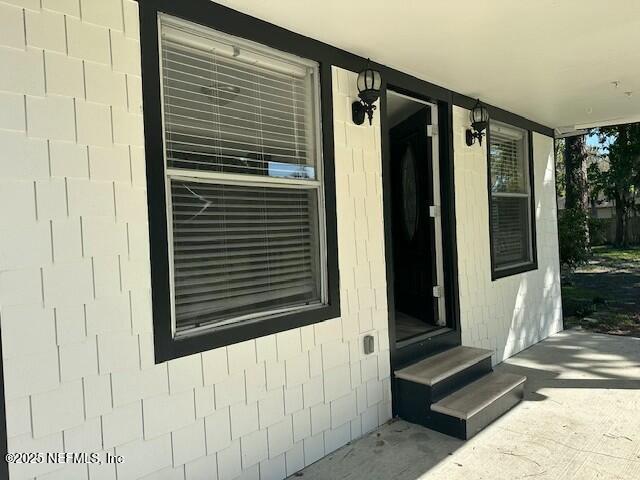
456 391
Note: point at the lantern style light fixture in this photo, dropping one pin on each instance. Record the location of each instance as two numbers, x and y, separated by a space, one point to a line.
369 82
479 118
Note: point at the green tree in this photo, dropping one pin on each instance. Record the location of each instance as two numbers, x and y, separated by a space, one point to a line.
558 148
618 180
575 158
573 225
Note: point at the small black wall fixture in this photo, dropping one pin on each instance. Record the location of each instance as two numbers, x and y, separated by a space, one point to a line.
479 117
369 82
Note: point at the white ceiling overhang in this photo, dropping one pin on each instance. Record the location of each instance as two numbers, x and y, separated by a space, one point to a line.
567 64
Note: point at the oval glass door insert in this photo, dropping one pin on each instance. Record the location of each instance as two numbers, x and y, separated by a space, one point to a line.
409 193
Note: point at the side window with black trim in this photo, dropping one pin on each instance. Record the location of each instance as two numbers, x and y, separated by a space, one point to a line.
511 200
243 184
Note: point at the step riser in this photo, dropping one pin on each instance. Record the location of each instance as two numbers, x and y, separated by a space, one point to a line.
411 402
452 426
458 380
492 412
467 429
412 406
414 399
414 410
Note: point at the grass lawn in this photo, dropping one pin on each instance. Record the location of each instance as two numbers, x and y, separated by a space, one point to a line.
604 296
615 255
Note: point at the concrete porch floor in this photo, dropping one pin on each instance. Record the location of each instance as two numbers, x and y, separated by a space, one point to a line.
580 419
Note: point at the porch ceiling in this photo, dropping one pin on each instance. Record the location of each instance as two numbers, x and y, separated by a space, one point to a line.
552 61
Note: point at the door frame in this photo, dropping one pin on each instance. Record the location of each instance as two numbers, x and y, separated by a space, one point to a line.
442 144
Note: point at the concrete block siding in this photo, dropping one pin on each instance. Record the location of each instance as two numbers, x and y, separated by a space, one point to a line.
75 288
511 313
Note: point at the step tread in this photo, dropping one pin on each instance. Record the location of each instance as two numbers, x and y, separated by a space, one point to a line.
476 396
436 368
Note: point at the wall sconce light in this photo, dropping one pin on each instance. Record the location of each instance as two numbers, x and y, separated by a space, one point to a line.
479 117
369 82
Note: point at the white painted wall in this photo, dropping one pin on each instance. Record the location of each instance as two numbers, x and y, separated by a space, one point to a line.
75 287
512 313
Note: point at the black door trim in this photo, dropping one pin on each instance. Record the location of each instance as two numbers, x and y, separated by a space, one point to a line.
411 351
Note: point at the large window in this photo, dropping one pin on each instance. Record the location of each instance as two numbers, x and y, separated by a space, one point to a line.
243 185
511 193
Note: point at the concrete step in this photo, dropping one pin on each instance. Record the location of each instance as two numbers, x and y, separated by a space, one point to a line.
476 405
441 366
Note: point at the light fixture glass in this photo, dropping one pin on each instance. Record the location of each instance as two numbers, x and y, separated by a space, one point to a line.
479 118
368 83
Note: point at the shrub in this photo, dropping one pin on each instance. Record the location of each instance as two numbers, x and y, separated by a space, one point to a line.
573 236
597 231
584 309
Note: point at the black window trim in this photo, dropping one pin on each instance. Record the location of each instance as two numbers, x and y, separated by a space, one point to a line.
167 347
498 273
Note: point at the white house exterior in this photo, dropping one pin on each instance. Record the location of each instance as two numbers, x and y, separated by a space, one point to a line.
85 368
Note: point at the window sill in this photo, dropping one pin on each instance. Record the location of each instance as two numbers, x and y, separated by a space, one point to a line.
510 271
172 348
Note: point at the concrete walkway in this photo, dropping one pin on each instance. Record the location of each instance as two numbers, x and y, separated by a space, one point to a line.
580 419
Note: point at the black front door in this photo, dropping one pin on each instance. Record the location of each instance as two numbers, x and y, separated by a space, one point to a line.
412 226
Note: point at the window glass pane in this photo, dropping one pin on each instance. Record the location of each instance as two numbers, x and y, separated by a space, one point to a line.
227 109
409 193
511 232
510 221
507 150
232 109
241 250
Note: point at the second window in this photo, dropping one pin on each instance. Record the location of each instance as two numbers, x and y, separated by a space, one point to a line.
510 184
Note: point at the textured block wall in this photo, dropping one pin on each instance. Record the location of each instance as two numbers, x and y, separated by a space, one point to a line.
512 313
75 302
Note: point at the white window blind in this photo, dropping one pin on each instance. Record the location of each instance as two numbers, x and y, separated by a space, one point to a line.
229 109
244 178
510 196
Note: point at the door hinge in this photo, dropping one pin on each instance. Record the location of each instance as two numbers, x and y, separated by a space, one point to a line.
437 291
434 211
432 130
